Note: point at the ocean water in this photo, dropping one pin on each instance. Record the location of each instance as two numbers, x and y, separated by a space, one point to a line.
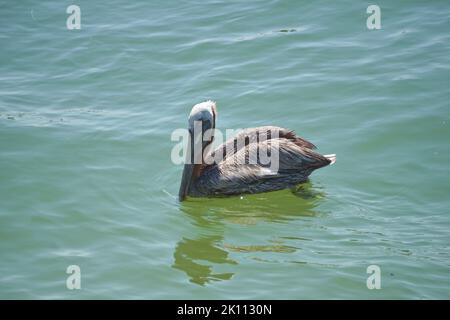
86 176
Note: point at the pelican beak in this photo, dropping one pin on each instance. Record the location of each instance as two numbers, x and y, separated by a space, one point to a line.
186 181
188 170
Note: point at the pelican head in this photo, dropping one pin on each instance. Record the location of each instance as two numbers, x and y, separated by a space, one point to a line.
202 122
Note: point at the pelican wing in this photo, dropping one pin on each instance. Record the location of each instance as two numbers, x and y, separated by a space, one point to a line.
258 134
248 171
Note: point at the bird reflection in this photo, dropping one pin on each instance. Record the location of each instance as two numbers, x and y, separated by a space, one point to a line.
196 256
200 256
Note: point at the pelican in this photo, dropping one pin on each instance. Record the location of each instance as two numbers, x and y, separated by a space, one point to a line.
229 175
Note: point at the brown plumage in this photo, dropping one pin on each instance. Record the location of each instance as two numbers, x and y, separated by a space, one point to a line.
238 168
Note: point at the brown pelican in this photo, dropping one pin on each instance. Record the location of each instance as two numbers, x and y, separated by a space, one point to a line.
229 175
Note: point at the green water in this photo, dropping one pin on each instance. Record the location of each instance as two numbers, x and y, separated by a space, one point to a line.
86 176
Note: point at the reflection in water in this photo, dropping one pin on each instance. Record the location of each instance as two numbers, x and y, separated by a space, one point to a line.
190 253
261 248
199 255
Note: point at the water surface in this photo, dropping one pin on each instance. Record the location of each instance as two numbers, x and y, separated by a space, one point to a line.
86 177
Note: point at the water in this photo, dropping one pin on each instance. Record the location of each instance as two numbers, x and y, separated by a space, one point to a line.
86 177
